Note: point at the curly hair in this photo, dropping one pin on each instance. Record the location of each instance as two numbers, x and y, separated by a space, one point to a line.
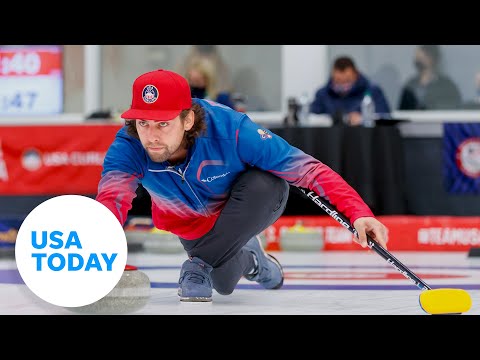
197 129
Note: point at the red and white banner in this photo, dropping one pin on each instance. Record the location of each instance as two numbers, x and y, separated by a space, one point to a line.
52 159
406 233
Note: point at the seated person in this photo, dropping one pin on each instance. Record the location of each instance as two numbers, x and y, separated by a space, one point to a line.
342 96
202 79
429 89
212 54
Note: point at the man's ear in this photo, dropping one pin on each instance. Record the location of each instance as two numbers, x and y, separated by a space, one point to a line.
189 120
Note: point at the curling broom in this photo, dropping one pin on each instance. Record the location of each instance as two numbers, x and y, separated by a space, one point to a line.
432 301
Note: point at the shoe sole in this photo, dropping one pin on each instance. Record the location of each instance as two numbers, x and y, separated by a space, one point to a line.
193 298
274 260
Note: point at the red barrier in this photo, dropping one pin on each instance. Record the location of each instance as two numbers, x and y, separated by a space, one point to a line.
406 233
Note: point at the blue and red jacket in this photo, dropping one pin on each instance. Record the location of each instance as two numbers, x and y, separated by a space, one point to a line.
187 198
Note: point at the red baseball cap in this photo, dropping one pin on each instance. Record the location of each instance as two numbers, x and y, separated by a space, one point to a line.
159 95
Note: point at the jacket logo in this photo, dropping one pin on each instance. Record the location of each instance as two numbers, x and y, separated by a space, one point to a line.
264 134
213 178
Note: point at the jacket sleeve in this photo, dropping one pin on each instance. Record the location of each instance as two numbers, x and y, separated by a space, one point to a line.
317 106
120 178
260 148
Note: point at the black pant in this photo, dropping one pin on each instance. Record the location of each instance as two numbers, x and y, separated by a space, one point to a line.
257 200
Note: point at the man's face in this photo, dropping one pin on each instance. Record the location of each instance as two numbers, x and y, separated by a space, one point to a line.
343 80
163 139
422 60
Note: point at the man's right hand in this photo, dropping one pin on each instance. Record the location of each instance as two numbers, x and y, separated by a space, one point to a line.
374 228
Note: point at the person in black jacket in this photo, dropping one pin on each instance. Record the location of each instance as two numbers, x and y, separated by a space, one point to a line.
429 89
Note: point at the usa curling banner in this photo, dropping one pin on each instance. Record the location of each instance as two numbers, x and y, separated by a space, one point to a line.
52 159
461 153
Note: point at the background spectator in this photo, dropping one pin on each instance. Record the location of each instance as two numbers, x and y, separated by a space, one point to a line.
202 77
212 54
341 97
429 89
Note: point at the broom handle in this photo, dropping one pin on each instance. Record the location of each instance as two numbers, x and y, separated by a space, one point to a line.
326 206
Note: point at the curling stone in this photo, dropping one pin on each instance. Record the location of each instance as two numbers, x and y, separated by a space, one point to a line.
131 294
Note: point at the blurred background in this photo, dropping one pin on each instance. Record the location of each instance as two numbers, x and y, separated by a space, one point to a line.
417 164
267 73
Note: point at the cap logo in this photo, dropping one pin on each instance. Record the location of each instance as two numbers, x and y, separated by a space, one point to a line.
149 94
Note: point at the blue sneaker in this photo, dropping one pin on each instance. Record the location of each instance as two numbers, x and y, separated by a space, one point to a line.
195 284
269 272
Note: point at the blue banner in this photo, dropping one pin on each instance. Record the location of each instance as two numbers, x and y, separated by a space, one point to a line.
461 157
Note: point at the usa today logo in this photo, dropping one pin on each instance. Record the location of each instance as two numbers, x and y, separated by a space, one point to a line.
71 251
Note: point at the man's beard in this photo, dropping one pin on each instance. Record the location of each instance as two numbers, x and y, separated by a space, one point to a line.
166 151
157 156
